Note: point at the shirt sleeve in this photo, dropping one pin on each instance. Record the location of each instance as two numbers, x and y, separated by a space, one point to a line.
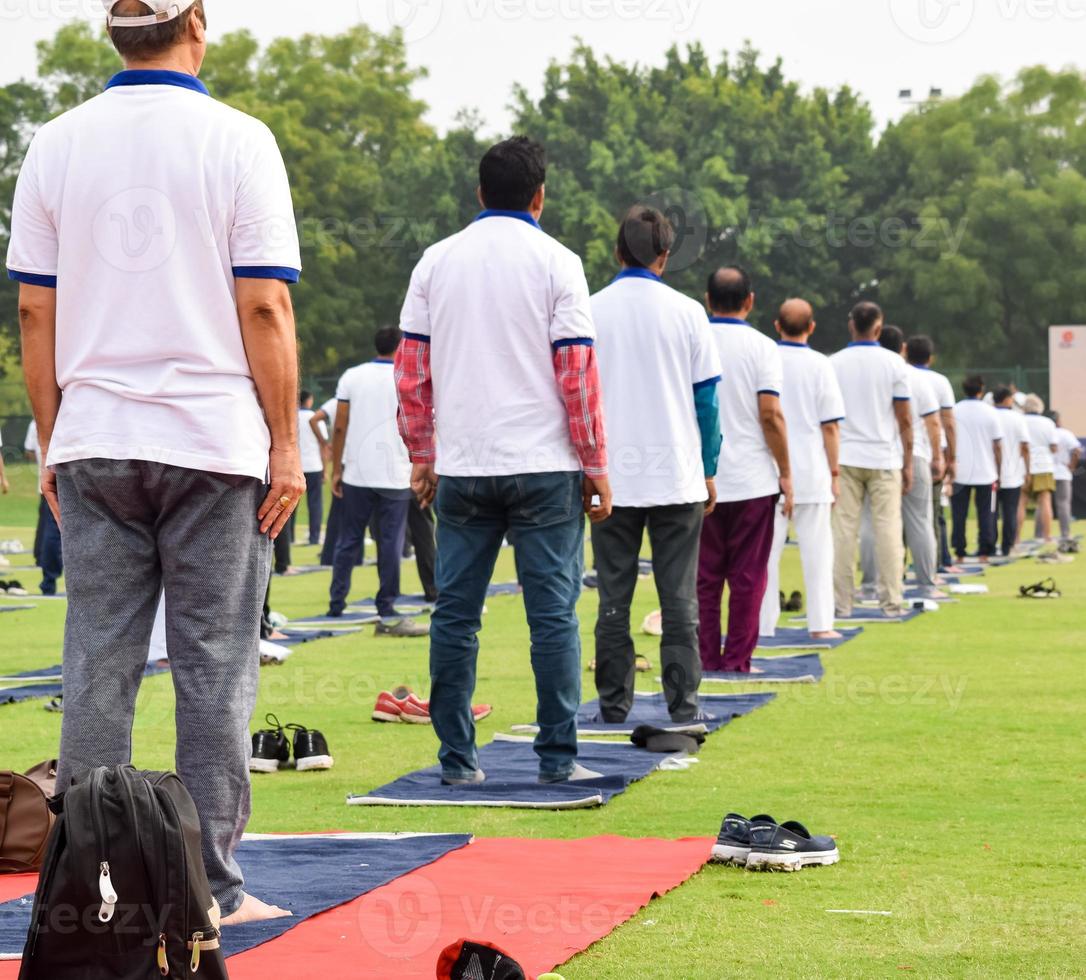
264 236
343 392
771 371
902 386
415 392
946 394
704 357
926 401
831 402
994 425
415 314
571 318
34 246
577 374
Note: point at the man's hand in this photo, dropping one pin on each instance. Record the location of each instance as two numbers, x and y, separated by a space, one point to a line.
287 487
938 469
4 487
49 492
597 486
906 479
424 483
710 504
337 482
835 486
788 499
951 471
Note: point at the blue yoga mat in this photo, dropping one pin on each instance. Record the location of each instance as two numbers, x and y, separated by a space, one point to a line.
405 606
348 619
916 595
298 637
503 588
792 638
4 609
804 669
512 771
651 709
50 688
307 875
862 614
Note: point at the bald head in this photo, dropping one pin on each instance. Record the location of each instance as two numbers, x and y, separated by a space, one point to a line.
730 292
796 319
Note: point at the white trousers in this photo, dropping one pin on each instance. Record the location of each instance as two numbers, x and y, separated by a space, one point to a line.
814 528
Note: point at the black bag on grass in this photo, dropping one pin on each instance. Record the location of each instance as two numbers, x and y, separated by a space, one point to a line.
123 893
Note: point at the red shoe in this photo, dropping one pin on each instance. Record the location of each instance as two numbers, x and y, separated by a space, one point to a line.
417 712
389 708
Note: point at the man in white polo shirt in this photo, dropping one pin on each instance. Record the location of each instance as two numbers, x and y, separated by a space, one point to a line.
754 473
154 238
498 355
1014 474
312 467
980 460
876 442
813 410
371 475
664 454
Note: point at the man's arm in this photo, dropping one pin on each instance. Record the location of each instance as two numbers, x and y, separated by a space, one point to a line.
707 409
339 441
776 438
935 439
905 426
578 378
415 415
38 328
950 428
1027 456
831 440
997 446
266 316
4 488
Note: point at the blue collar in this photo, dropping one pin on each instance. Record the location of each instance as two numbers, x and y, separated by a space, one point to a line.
865 343
383 360
792 343
1003 408
637 274
155 76
922 367
728 319
498 213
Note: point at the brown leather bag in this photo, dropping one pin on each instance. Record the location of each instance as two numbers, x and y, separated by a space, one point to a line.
25 823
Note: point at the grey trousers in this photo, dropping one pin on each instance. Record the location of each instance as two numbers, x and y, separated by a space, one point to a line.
918 518
132 529
1063 501
674 535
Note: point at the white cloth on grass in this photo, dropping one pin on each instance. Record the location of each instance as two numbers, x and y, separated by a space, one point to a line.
142 206
653 346
751 364
872 379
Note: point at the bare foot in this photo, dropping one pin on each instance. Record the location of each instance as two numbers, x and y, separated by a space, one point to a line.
828 635
254 910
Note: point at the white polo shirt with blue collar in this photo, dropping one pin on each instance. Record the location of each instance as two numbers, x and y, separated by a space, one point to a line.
142 207
751 367
872 379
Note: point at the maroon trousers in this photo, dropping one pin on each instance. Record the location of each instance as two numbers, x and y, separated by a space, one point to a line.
735 544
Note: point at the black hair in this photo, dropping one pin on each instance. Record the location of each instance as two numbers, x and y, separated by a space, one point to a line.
893 339
644 235
304 396
794 328
1001 394
973 385
386 340
144 42
920 350
864 316
729 289
511 174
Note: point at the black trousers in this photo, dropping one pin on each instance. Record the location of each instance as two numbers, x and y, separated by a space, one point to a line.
314 497
420 529
959 506
1008 514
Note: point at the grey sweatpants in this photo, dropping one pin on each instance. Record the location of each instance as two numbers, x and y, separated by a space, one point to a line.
1064 498
132 529
674 534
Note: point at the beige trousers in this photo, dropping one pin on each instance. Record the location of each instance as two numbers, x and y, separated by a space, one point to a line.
883 489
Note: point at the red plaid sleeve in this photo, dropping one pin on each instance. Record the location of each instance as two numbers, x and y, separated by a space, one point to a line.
415 388
579 381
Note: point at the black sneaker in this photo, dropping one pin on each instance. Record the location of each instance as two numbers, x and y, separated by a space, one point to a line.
271 750
733 842
310 749
788 847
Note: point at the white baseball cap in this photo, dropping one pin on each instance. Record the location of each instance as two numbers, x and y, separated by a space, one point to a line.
164 10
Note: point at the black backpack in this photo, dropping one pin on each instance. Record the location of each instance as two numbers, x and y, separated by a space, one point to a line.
123 893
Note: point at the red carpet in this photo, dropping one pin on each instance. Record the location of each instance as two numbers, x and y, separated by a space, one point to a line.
544 901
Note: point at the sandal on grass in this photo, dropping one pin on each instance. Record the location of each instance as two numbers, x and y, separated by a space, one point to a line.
1042 590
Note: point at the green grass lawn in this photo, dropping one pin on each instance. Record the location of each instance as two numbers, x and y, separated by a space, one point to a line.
947 755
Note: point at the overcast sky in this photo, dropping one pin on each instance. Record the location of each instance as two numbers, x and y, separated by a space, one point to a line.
476 50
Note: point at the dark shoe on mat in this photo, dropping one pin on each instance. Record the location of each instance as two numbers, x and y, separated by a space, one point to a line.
404 629
788 847
659 740
476 777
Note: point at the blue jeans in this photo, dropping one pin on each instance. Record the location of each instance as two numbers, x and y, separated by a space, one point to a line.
359 504
474 514
50 556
